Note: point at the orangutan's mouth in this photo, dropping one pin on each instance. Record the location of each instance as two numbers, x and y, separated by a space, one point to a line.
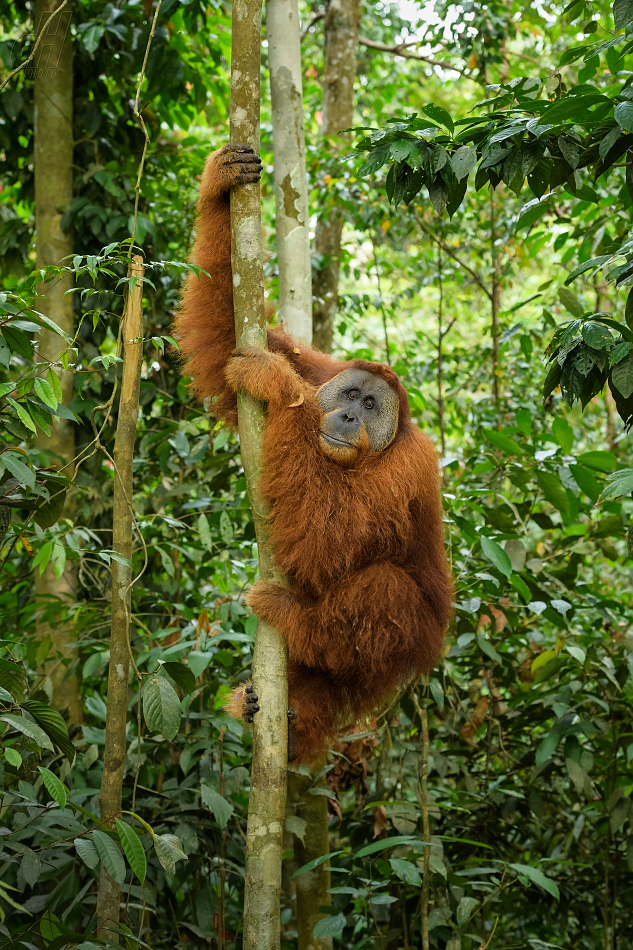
335 441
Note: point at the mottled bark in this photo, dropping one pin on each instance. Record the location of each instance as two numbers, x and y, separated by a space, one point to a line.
313 887
341 42
52 70
291 187
109 897
267 802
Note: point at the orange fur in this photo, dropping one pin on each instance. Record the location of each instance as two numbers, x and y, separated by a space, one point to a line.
370 593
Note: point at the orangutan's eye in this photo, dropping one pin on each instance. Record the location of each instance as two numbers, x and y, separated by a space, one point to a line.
369 403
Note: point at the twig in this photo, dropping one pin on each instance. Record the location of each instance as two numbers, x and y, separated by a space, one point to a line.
313 22
451 253
141 122
42 33
400 50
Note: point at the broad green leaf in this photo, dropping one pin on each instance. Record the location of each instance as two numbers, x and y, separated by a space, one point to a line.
622 372
12 756
623 115
181 675
14 463
315 863
330 926
87 852
133 849
537 877
406 871
618 484
563 433
46 393
494 553
31 867
571 302
110 856
386 843
29 729
54 787
586 481
221 808
502 442
161 707
601 461
622 13
465 910
463 161
440 115
169 851
486 647
596 335
554 490
23 415
297 826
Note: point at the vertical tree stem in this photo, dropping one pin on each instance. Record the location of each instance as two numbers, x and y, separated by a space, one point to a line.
53 132
291 186
295 311
422 711
109 899
266 814
495 302
342 22
440 353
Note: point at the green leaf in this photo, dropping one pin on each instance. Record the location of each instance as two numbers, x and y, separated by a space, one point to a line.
554 490
31 867
221 808
181 675
537 877
622 376
386 843
618 484
596 335
623 115
438 114
330 926
585 481
54 787
315 863
494 553
110 856
46 392
161 707
133 849
169 851
563 433
53 724
29 729
486 647
502 442
532 214
12 756
463 161
570 302
622 13
600 461
465 910
14 464
406 871
23 415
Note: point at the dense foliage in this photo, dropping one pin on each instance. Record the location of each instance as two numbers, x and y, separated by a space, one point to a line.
530 758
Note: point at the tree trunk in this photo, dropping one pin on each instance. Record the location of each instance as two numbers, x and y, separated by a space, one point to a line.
291 187
341 42
295 311
313 887
53 134
109 899
267 803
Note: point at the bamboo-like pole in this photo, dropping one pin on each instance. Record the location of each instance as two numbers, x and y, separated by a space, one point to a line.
267 800
291 186
109 898
295 312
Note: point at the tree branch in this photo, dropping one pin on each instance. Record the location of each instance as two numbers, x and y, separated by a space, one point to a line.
451 253
400 49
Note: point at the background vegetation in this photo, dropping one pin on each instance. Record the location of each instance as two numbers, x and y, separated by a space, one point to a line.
530 716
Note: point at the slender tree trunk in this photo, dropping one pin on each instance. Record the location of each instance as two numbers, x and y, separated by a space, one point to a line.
109 898
422 711
440 353
295 311
52 68
603 305
291 187
313 887
341 42
495 303
267 803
